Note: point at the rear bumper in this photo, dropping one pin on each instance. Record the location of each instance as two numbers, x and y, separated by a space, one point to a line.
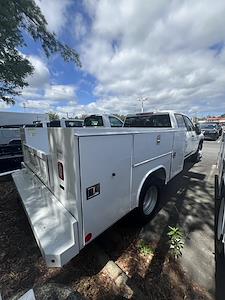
55 229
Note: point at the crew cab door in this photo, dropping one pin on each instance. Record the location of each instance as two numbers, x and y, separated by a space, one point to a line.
192 137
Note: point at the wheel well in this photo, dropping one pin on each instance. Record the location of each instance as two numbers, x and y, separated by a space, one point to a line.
159 175
200 144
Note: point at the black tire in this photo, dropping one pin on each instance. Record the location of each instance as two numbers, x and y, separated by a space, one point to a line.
153 184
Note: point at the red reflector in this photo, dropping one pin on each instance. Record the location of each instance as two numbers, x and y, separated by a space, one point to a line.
60 170
88 237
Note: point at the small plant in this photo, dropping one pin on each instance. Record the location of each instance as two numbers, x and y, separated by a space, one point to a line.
145 249
176 241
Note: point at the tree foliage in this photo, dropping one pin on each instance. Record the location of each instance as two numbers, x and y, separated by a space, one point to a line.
16 18
53 116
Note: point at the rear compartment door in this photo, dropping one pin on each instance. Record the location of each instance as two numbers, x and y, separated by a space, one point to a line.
105 166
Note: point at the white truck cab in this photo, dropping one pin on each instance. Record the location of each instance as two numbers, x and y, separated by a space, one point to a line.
103 120
170 119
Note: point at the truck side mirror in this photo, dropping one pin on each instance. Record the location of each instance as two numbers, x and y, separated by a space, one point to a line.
197 129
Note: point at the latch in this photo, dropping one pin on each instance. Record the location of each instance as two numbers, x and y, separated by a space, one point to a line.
158 139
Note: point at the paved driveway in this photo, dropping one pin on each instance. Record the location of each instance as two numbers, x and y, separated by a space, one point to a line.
188 201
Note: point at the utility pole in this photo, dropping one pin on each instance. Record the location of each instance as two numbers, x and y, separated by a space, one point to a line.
24 106
142 99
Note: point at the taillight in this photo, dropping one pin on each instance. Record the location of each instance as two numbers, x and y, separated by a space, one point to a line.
60 170
88 237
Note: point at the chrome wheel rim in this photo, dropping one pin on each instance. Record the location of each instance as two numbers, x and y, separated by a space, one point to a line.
150 200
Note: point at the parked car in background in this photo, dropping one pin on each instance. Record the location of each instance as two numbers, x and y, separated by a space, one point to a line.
170 119
210 131
219 127
103 120
66 123
10 141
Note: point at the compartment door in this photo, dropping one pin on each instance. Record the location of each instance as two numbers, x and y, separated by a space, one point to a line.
105 166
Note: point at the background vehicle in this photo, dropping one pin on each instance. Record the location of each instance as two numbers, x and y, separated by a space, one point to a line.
102 121
175 120
210 131
219 127
10 141
16 120
66 123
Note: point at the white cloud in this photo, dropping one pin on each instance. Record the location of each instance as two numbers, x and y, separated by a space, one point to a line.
55 13
40 77
41 94
80 26
60 92
3 105
160 49
37 104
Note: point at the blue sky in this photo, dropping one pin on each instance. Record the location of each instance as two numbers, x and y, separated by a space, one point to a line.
171 52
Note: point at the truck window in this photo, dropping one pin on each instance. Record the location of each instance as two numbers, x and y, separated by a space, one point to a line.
74 123
180 121
93 121
153 120
55 123
189 124
114 122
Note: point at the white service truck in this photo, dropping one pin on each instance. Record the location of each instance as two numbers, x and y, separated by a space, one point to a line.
78 182
10 142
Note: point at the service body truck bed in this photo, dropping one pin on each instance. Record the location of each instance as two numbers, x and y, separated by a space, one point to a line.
78 182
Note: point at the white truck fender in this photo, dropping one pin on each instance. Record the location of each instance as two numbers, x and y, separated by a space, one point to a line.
147 175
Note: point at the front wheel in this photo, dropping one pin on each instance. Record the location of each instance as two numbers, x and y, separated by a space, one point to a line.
149 200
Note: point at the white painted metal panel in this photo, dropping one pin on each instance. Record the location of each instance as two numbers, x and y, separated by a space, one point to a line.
38 162
64 150
54 227
151 152
151 145
178 152
105 160
36 137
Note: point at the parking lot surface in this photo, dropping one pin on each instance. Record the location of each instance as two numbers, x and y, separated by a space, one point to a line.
188 202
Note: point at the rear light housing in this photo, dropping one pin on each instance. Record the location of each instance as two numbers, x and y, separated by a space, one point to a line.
60 170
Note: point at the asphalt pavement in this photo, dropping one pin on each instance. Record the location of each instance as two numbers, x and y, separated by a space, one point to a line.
188 201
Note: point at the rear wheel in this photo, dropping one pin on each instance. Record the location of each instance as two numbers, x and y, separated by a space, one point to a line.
149 200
